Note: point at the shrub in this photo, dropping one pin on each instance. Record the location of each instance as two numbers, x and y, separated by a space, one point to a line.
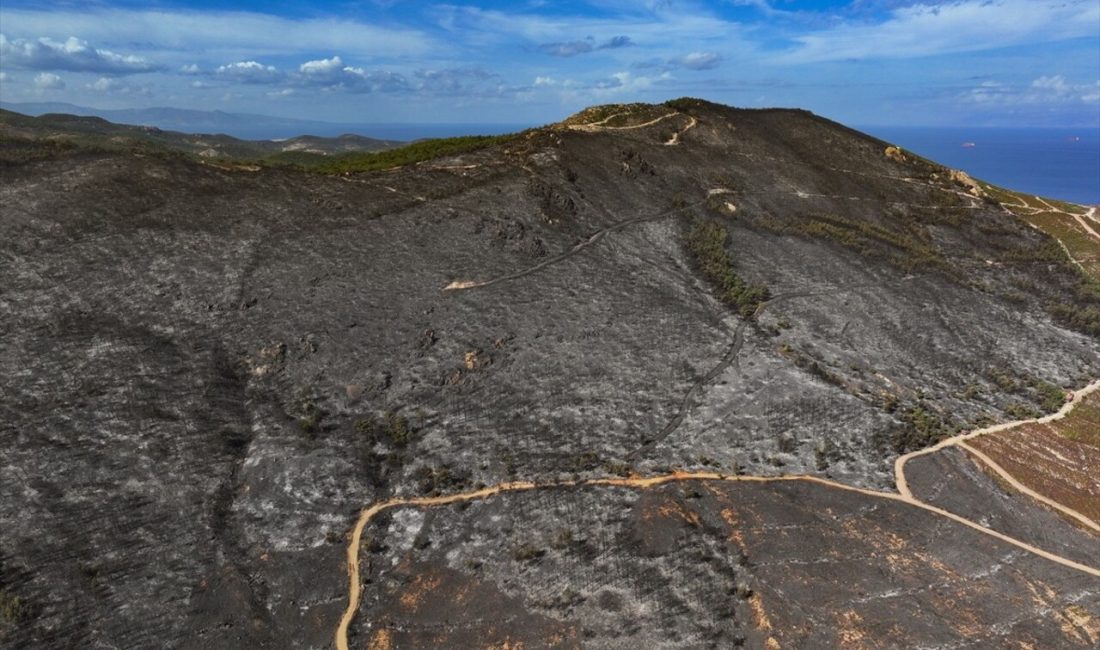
13 611
433 481
1021 411
921 428
1050 397
706 243
527 552
392 428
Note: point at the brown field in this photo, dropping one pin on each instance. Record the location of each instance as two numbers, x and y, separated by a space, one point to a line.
1081 245
1056 219
1060 460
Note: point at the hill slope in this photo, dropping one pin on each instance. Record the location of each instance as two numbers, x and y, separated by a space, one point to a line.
98 133
213 370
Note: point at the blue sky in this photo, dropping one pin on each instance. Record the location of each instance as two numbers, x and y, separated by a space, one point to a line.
864 62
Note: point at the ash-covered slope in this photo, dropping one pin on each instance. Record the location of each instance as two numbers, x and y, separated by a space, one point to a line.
208 370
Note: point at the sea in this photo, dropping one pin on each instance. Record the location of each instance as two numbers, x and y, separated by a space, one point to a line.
1056 163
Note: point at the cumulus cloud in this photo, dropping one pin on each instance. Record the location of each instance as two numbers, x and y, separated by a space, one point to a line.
573 48
332 74
190 69
321 67
249 72
3 76
73 55
116 87
48 81
697 61
1052 89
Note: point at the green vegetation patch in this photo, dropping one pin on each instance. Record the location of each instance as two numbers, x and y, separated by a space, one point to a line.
922 428
685 104
706 243
391 428
13 611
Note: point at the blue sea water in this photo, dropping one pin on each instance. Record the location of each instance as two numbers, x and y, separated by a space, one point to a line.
1056 163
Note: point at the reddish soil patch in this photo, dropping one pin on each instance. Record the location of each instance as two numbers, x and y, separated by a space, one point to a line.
1060 460
431 606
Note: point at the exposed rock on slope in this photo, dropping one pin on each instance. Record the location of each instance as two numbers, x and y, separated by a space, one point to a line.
208 371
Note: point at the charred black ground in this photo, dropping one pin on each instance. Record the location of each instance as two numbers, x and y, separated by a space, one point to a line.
210 368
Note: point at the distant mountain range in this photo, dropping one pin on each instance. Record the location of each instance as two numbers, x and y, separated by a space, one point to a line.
96 131
257 127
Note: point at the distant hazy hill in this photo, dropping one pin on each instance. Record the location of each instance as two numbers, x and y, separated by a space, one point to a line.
89 129
258 127
240 125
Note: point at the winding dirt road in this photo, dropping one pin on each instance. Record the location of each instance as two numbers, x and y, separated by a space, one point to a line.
602 124
903 494
960 441
353 551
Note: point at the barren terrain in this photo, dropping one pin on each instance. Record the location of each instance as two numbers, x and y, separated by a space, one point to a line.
211 370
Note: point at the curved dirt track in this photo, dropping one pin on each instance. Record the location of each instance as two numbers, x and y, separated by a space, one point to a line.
354 580
904 495
602 124
960 440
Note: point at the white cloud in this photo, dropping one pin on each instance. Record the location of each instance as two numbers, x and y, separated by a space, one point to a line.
1053 89
48 81
322 66
116 87
453 81
1092 95
3 76
73 54
332 74
249 72
190 69
225 35
1056 84
652 30
698 61
933 28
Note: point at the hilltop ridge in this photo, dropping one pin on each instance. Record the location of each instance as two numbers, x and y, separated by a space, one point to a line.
222 364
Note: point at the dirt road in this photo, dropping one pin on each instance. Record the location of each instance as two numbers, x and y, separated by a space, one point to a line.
903 495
